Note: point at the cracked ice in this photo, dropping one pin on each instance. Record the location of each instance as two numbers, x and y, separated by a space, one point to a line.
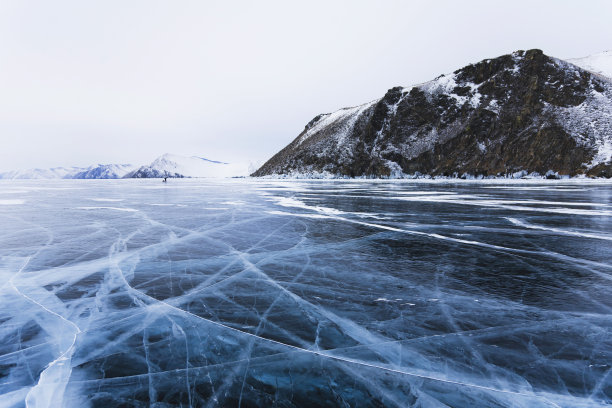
305 293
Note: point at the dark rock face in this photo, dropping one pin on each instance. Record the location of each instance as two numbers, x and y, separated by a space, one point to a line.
519 112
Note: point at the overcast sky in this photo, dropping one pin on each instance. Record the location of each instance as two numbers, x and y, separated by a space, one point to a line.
85 82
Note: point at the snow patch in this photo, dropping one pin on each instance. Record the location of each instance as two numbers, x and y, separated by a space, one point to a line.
600 63
590 124
447 83
343 119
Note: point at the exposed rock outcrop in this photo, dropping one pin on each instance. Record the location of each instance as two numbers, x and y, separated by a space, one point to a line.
522 112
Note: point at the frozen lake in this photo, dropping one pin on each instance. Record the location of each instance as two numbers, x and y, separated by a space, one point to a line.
135 293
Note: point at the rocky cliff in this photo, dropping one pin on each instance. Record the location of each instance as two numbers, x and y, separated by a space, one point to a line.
519 113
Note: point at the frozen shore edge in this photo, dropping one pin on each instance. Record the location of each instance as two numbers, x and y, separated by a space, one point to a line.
518 176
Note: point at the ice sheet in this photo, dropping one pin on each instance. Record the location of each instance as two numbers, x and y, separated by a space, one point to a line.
305 293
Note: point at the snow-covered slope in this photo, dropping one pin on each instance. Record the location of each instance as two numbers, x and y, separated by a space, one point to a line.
342 121
600 63
105 171
174 165
53 173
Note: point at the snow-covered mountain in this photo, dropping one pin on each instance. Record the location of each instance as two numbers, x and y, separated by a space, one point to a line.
519 113
167 165
53 173
174 165
98 171
104 171
600 63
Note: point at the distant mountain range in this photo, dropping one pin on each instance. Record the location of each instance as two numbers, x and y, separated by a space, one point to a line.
517 114
104 171
172 165
167 165
53 173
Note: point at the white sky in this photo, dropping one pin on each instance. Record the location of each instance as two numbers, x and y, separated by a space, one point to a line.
85 82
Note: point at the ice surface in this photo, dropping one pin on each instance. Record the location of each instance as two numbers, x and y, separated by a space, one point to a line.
135 293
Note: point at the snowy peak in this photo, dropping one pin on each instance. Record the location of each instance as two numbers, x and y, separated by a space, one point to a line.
174 165
105 171
600 63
